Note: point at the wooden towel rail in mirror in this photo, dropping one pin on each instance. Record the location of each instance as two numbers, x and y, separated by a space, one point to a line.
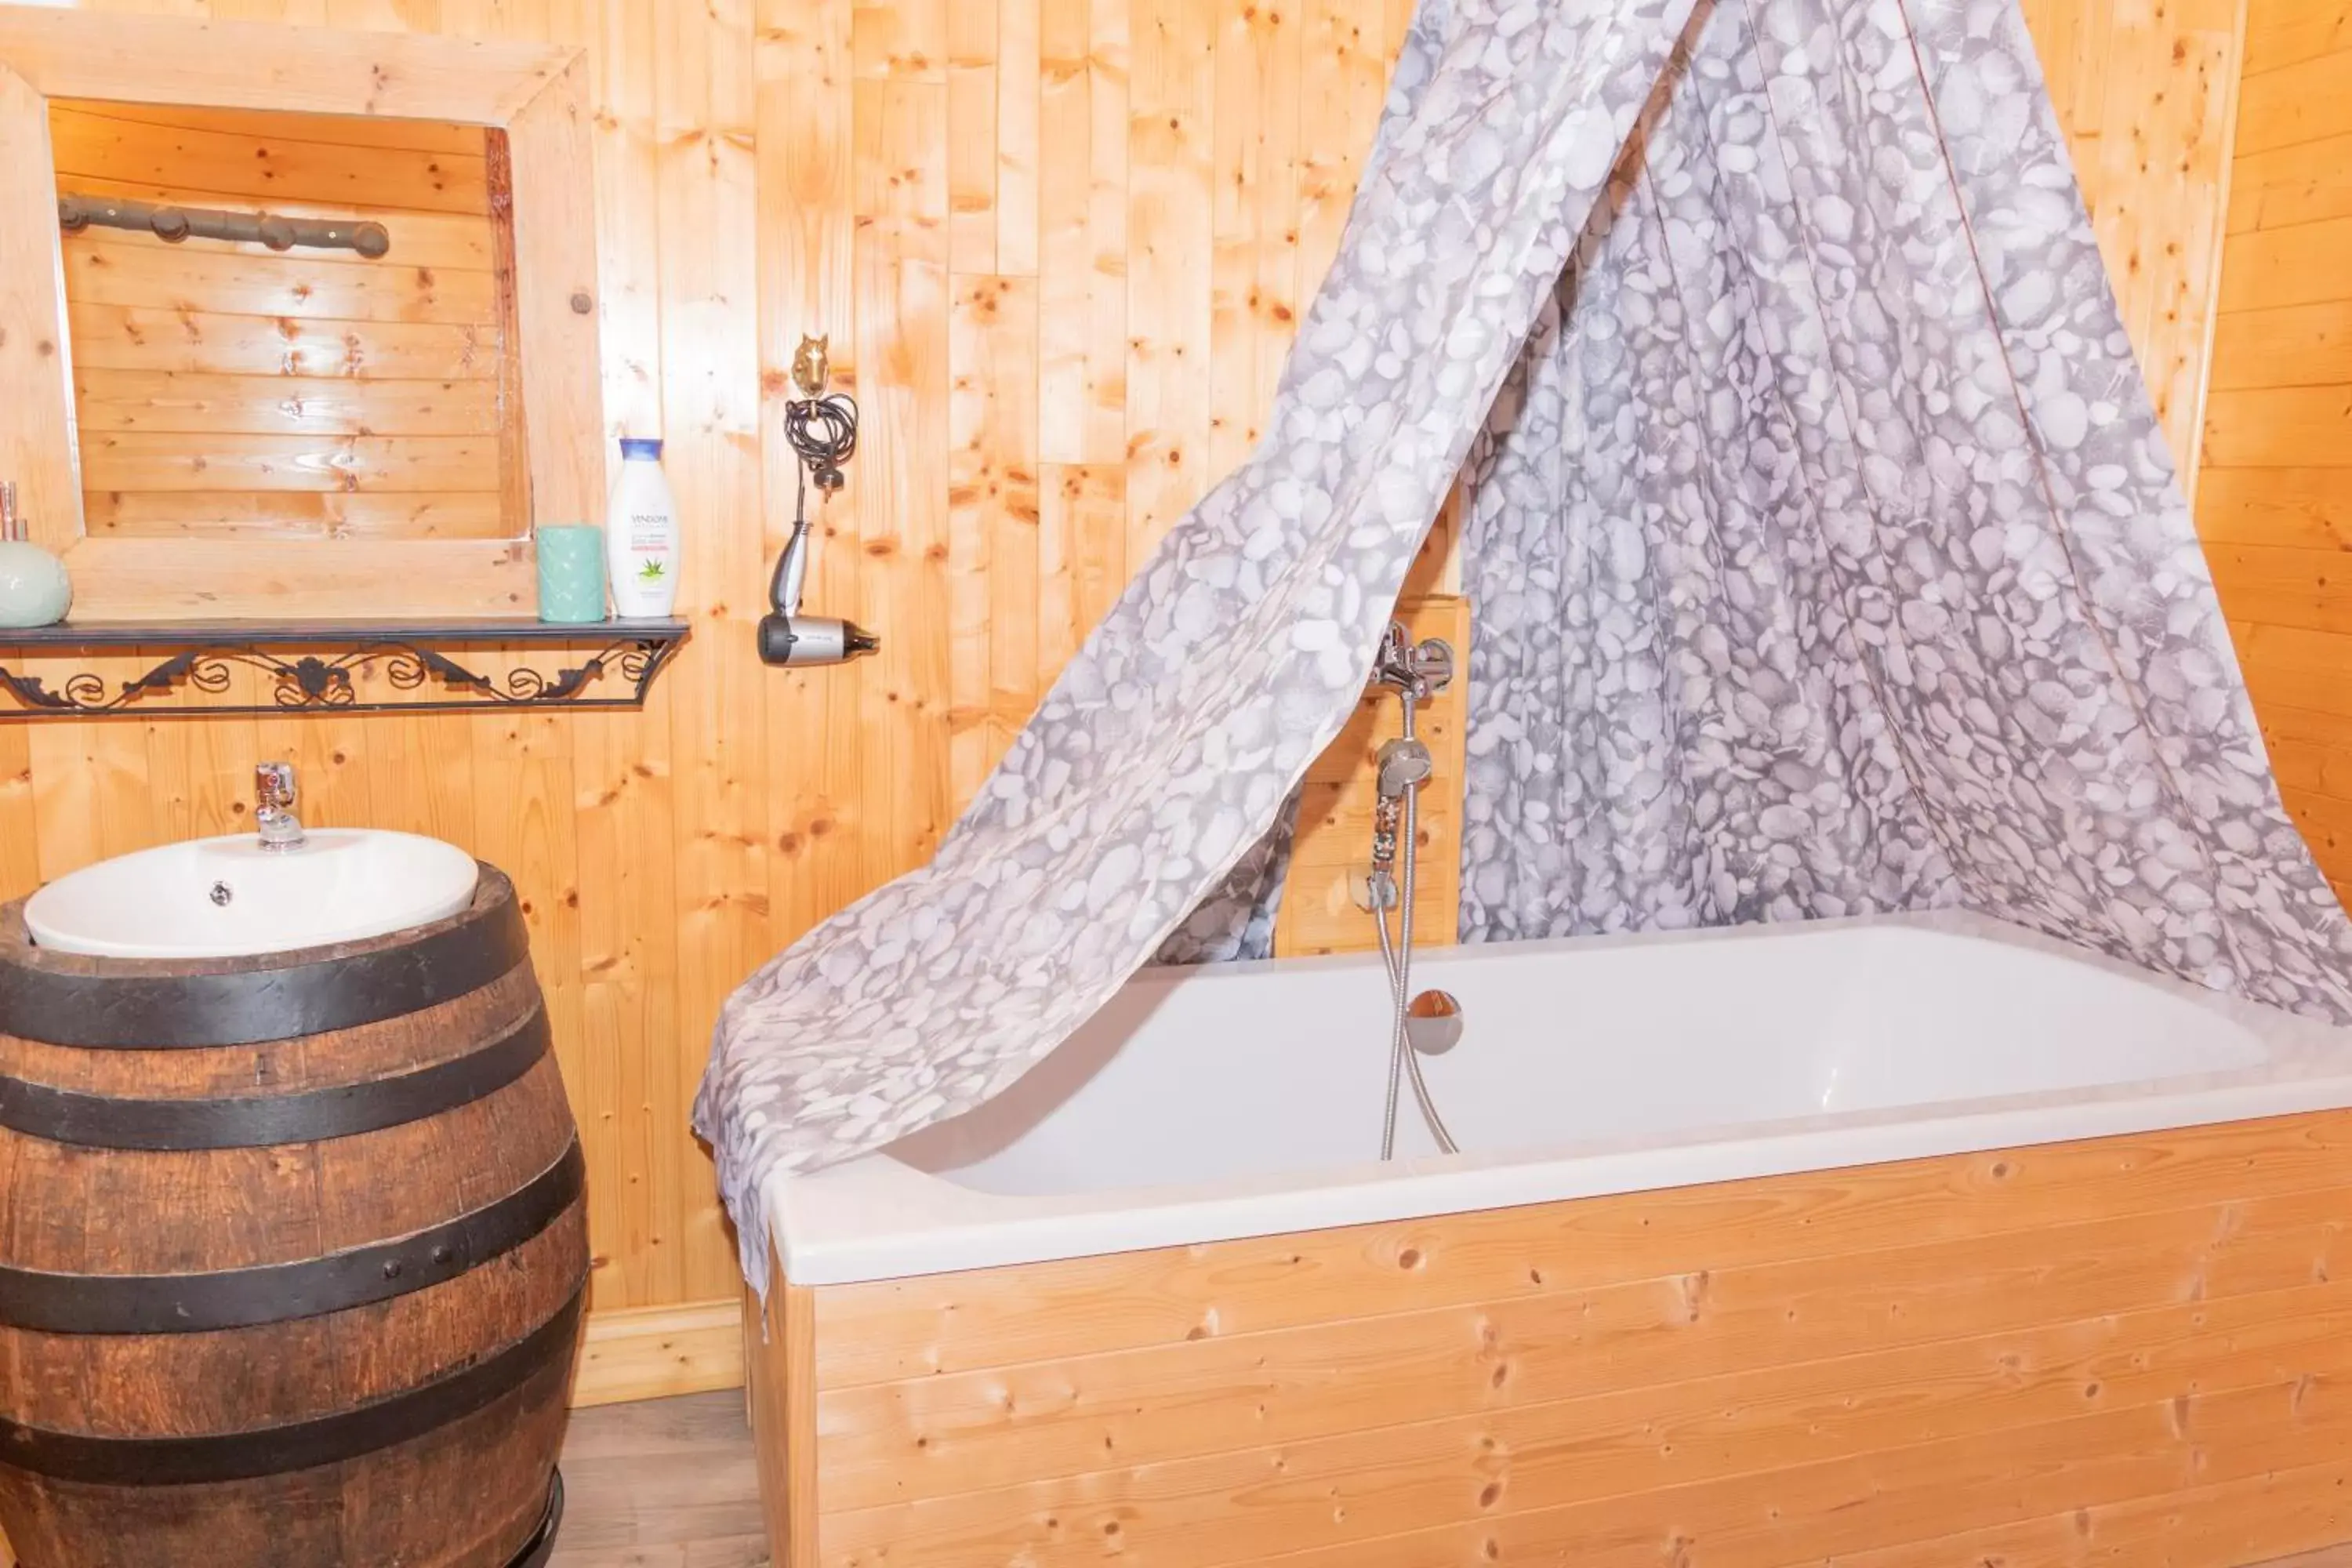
77 212
536 95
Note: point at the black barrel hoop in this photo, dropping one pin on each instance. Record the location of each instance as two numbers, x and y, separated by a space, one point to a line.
323 1440
257 1122
281 1292
65 1000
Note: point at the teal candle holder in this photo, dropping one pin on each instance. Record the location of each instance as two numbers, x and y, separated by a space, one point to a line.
571 572
34 588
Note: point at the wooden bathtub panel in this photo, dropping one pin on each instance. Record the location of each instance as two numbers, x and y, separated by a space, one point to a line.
778 1393
1499 1506
1833 1367
1535 1368
1832 1513
1375 1482
2234 1522
889 1329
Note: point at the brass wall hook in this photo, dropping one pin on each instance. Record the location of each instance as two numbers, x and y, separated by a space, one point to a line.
812 369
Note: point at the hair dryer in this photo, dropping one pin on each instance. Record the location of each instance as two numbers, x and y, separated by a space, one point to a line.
822 432
788 637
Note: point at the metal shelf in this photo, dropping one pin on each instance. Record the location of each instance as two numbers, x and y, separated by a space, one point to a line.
338 666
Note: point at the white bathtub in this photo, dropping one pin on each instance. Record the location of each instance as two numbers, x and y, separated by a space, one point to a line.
1209 1104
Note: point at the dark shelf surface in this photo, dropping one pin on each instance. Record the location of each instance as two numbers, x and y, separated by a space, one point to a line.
297 632
350 666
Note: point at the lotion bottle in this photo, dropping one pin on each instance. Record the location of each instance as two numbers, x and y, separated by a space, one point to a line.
641 540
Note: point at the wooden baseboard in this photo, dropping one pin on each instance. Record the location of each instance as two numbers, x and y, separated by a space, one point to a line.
652 1353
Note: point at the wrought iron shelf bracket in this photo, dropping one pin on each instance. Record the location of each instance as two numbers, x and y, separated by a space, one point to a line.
333 666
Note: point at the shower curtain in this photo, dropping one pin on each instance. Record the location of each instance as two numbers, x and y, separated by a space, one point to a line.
1826 556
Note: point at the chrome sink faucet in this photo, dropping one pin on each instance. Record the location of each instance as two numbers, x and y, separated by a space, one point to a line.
273 806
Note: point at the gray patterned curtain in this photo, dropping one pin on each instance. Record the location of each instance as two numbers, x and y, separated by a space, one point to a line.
1824 553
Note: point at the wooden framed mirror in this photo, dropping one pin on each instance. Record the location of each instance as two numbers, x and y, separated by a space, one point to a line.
257 433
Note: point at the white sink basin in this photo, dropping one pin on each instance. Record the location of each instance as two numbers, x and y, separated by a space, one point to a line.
225 897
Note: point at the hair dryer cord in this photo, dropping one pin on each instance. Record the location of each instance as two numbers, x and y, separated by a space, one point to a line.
823 433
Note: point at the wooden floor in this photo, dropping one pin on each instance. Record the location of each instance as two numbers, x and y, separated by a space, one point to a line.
669 1484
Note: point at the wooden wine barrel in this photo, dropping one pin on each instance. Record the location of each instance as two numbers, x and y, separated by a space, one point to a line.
292 1254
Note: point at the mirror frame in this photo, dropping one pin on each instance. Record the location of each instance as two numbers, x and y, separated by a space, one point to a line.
538 94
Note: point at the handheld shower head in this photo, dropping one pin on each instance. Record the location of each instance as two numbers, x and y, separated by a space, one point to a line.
1404 764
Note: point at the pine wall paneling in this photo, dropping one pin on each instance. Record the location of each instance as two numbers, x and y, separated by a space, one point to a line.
1059 246
1337 804
2148 95
2277 506
631 877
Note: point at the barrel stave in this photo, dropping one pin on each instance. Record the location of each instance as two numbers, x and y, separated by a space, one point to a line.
234 1380
357 1053
204 1210
459 1499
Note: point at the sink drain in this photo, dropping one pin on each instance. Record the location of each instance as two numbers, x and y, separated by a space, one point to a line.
222 893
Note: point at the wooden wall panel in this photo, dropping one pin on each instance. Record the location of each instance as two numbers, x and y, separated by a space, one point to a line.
211 378
948 192
1331 848
2275 506
2148 95
1056 345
